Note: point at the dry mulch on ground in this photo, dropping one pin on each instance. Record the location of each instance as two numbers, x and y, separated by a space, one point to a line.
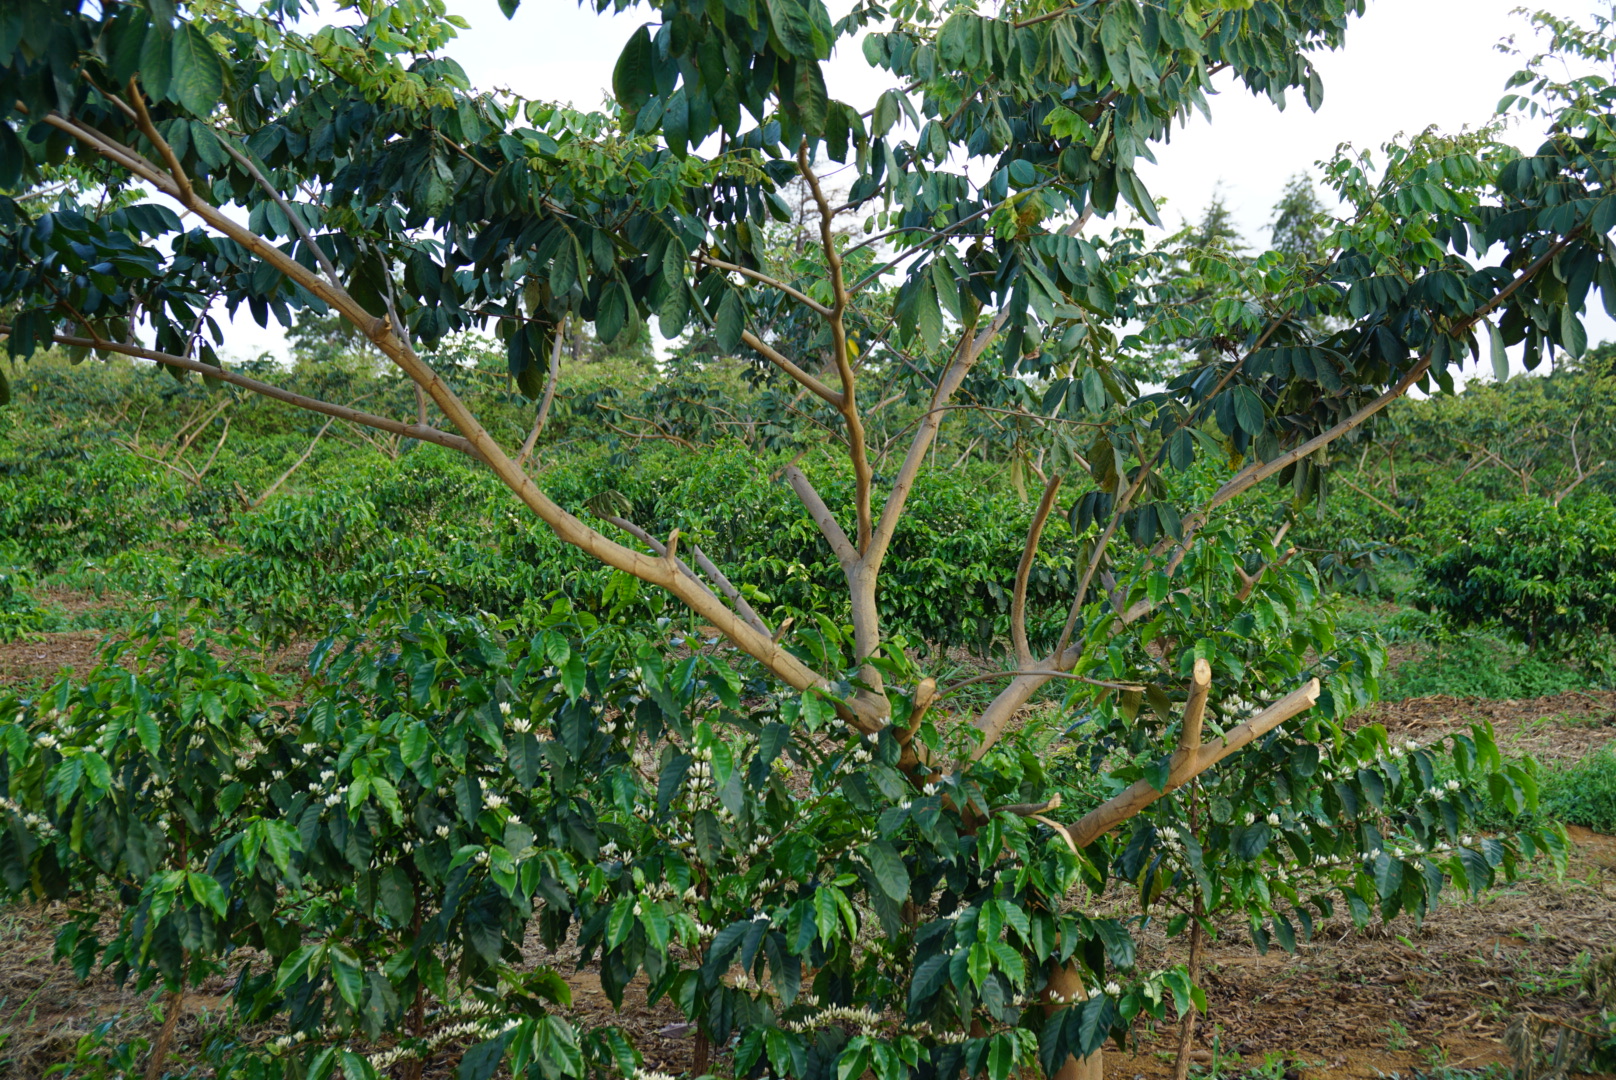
1557 730
1362 1003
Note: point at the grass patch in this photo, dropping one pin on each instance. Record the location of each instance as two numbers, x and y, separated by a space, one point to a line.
1482 666
1395 623
1584 794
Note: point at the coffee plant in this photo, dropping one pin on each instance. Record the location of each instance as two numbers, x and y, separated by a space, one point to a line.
1546 574
910 905
374 857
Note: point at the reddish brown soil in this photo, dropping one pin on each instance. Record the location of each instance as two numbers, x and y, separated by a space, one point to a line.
43 656
1555 730
1391 999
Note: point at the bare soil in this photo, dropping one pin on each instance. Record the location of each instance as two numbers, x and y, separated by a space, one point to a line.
1556 730
42 656
1364 1003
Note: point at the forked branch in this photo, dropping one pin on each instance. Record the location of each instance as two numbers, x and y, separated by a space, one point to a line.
865 716
1018 599
714 574
1189 763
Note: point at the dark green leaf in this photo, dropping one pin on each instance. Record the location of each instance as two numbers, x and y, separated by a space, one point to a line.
731 321
632 78
889 869
483 1060
198 72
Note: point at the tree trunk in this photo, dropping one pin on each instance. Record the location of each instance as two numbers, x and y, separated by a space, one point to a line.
1067 982
1186 1034
173 1005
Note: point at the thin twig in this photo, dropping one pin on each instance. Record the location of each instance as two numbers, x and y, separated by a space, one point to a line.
1018 599
1050 674
549 396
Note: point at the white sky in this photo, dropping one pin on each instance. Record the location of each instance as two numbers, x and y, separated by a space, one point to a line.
1407 65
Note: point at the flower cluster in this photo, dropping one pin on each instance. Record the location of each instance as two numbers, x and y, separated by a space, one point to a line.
866 1020
31 820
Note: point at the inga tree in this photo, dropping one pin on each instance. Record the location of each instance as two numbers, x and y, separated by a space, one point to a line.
351 170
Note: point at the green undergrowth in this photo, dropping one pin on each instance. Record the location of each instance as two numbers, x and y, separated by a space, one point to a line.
19 613
1484 666
1585 793
1582 793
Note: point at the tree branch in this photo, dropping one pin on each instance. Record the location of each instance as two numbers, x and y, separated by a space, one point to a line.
864 716
549 396
1045 674
714 575
1257 472
801 297
1018 599
143 120
286 208
1189 736
779 360
314 405
1187 766
858 452
829 527
1031 809
966 354
296 465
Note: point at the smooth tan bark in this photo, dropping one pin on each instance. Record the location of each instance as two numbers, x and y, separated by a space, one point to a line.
1066 985
1187 765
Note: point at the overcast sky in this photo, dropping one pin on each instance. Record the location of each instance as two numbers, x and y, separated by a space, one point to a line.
1407 65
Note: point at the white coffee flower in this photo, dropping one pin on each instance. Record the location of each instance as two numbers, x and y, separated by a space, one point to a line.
1112 989
505 708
